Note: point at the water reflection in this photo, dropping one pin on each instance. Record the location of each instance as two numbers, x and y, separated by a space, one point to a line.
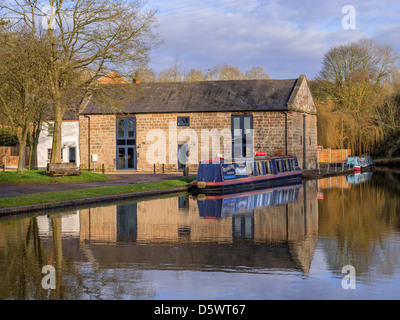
113 251
360 225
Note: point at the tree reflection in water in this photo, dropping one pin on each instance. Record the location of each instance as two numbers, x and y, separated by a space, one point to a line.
359 225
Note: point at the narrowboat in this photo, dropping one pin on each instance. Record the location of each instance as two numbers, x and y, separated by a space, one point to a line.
227 176
363 163
222 206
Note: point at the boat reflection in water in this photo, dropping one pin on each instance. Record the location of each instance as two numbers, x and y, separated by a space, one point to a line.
359 177
228 205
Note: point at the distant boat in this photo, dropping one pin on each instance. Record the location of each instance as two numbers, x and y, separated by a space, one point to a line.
222 176
359 164
221 206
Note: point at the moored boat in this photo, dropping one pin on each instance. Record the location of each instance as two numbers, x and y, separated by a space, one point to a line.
362 163
226 176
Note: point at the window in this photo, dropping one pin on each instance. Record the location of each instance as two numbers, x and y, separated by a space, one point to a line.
292 164
279 166
267 167
250 169
260 168
183 122
50 129
121 128
285 165
49 154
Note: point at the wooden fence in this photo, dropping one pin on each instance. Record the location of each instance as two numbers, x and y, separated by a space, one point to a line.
333 155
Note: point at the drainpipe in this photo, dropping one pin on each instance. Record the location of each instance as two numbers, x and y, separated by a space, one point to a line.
286 132
304 141
87 117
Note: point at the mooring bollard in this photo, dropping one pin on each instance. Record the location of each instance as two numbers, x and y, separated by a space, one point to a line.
163 168
102 167
154 167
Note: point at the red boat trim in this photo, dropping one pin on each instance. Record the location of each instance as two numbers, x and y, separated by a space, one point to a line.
243 180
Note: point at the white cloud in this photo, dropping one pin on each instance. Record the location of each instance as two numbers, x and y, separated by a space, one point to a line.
285 38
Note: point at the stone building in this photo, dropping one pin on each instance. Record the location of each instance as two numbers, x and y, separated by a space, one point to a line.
168 124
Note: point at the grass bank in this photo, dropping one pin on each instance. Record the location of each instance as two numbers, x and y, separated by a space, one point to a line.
51 197
39 176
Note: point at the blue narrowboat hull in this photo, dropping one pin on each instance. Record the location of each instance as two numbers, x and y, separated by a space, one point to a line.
220 177
249 185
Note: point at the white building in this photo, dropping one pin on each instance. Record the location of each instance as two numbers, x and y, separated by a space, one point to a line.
69 147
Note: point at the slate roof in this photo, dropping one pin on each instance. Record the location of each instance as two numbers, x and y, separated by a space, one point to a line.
204 96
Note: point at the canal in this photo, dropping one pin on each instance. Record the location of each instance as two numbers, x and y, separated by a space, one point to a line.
286 243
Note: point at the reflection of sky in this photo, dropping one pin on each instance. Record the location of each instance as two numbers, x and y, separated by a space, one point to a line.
130 282
319 283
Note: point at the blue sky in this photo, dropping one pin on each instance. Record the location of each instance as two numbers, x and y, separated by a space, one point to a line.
286 37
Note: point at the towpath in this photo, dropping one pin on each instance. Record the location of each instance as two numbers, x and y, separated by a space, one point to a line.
21 189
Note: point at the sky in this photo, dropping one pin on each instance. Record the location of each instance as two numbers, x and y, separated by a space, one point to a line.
285 37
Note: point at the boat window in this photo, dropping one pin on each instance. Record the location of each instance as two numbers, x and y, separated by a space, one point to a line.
285 165
267 167
292 164
279 166
250 169
260 168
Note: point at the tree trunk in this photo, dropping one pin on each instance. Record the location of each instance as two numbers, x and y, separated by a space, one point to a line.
33 143
21 149
57 136
32 154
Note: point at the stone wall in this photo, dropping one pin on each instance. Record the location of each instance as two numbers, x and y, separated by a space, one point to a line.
155 132
296 137
102 141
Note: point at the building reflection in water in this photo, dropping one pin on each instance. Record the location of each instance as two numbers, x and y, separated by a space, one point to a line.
104 252
275 228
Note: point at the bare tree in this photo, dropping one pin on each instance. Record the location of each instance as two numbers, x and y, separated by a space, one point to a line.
172 74
367 56
145 74
257 73
169 75
224 72
351 83
194 75
86 38
24 90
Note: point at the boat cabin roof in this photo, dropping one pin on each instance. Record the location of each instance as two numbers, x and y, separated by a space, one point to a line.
218 159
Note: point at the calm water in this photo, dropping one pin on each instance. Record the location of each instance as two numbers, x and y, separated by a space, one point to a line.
288 243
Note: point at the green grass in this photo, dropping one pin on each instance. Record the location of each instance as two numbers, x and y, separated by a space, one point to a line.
49 197
39 176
